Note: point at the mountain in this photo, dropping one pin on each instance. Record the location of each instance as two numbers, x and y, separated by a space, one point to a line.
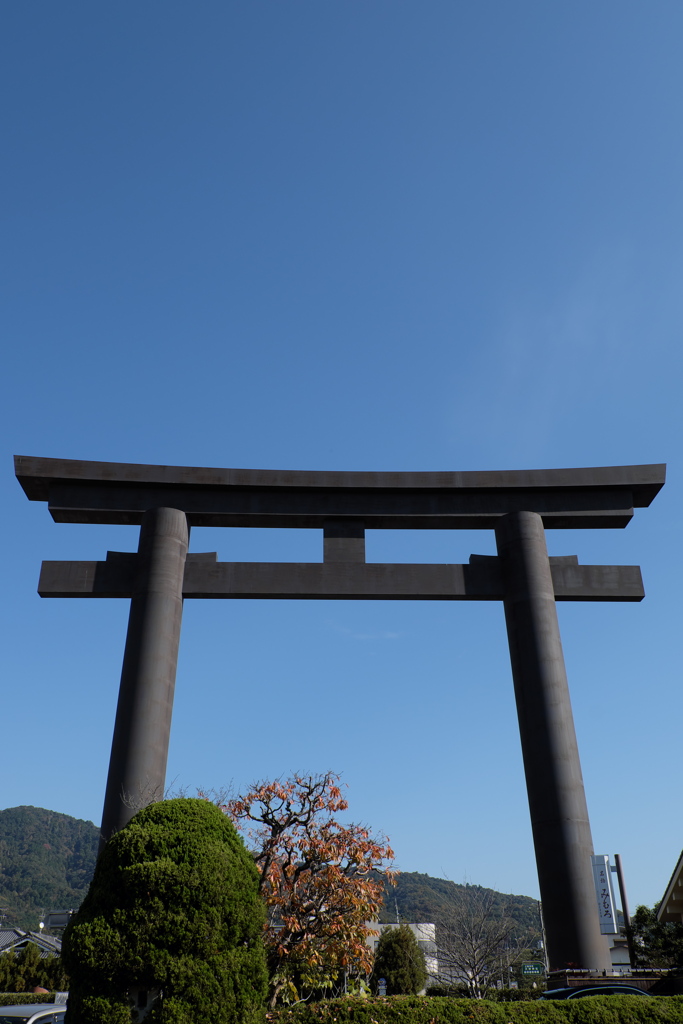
417 897
47 860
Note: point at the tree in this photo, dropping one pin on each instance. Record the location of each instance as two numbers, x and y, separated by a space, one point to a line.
172 921
321 880
474 941
400 961
27 968
656 943
24 969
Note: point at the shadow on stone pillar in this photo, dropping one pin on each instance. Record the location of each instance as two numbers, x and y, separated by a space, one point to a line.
137 768
557 802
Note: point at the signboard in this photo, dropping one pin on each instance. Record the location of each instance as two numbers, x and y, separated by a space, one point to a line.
532 967
604 893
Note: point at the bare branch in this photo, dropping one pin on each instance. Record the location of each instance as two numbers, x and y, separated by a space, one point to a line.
475 943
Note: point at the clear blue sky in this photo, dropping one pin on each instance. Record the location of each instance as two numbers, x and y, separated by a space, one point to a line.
383 235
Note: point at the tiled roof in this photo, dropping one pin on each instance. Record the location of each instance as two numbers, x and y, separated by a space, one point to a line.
17 938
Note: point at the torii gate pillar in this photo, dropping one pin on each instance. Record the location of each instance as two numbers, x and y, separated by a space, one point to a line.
139 752
557 802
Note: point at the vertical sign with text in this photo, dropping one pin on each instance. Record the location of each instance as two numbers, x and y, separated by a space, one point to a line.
604 893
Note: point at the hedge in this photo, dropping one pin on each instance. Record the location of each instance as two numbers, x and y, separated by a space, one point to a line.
442 1010
496 995
24 998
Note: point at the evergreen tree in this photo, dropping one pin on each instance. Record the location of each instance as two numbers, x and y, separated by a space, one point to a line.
173 917
400 961
27 968
23 970
7 971
657 944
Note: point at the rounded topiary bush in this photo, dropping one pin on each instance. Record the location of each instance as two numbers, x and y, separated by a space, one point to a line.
171 928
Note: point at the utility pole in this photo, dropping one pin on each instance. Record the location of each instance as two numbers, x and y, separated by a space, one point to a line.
618 867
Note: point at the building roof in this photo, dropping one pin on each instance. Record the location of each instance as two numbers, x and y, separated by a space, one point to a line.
671 907
17 938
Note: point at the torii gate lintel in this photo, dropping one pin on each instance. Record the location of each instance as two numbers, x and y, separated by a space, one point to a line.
205 577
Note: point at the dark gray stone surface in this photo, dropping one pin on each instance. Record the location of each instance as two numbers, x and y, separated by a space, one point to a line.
36 474
340 579
137 769
93 492
343 540
557 802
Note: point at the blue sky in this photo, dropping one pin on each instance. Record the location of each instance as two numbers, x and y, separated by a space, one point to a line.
382 235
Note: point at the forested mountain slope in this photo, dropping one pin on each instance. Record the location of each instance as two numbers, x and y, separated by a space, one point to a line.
46 862
418 897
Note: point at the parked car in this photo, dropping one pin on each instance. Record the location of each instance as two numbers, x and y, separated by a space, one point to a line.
32 1013
588 990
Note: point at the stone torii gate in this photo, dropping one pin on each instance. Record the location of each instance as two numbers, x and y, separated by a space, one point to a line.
167 500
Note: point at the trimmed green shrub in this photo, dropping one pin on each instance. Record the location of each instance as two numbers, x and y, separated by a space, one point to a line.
442 1010
495 995
400 961
25 998
172 919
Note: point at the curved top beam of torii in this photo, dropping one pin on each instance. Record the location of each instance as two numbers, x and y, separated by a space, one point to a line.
111 492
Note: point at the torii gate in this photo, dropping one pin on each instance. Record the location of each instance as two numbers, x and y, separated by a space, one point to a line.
519 505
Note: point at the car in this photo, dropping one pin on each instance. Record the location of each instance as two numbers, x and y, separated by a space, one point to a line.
32 1013
579 992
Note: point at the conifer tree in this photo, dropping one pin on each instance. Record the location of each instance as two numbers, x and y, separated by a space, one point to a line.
400 961
172 925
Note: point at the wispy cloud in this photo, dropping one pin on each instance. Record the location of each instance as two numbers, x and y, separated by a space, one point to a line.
549 374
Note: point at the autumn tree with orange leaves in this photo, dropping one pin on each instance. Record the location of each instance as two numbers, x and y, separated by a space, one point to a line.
321 881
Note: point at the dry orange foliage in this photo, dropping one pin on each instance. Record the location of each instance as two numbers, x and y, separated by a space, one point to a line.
322 880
